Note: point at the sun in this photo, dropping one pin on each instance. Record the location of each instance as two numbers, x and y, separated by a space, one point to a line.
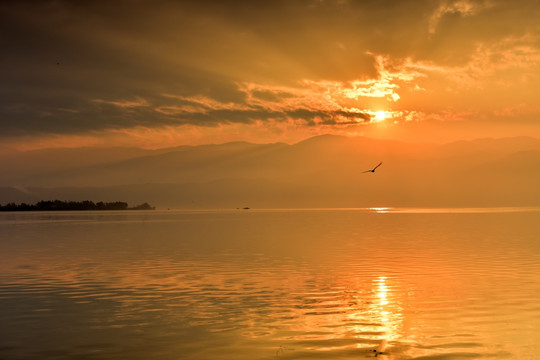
380 115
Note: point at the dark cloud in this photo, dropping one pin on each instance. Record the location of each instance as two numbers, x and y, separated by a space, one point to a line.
267 95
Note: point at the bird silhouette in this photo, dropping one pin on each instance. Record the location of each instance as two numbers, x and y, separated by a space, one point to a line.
372 170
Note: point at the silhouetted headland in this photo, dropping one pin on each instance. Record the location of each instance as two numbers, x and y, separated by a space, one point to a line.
58 205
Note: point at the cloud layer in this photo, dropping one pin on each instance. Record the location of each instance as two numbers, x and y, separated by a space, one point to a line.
82 68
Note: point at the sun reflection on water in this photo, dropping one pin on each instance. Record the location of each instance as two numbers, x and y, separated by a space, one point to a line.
380 210
355 316
387 311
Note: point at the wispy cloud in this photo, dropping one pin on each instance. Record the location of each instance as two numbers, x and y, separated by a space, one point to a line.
461 7
487 61
124 104
309 103
518 110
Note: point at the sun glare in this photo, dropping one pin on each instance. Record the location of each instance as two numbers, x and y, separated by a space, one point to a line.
380 116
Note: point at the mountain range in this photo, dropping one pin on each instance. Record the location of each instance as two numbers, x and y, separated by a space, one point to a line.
322 171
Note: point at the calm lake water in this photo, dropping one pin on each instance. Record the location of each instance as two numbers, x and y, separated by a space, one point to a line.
254 284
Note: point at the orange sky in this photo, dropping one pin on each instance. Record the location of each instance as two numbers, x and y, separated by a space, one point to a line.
166 73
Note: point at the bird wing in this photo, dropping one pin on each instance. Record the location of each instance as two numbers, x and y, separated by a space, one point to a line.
372 170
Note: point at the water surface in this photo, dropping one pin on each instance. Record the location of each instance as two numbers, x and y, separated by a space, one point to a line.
271 284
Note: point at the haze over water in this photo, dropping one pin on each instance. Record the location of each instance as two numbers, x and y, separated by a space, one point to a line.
271 284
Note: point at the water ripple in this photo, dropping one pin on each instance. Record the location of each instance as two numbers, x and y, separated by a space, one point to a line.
402 286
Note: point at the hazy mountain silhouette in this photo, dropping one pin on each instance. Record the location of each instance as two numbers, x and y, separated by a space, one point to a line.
318 172
24 167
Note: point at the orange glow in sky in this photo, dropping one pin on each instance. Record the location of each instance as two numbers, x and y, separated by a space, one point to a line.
174 73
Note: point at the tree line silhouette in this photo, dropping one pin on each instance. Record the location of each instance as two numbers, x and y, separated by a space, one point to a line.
54 205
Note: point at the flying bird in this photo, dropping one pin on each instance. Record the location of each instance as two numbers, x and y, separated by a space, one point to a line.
372 170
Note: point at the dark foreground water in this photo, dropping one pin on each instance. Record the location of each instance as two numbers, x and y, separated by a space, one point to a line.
247 284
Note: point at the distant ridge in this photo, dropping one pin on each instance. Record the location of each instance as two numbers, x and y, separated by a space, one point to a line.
322 171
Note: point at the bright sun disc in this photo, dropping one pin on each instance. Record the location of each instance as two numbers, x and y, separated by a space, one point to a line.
380 115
